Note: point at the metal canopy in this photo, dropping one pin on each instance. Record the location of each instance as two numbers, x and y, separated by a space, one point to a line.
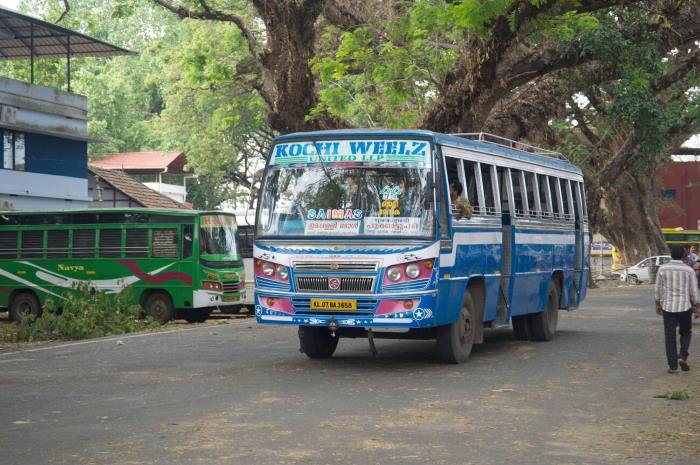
24 37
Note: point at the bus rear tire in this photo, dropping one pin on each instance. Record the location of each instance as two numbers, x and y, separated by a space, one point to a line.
24 303
317 342
455 341
159 307
543 325
521 327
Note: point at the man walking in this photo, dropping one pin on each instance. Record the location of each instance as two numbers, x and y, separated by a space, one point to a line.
676 294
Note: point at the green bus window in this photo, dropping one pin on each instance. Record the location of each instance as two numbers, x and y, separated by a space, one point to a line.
165 243
187 240
57 243
83 243
136 242
8 244
110 243
32 244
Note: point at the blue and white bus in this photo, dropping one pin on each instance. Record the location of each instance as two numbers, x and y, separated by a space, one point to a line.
355 237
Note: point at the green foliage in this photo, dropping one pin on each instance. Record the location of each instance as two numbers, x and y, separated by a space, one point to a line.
675 395
83 315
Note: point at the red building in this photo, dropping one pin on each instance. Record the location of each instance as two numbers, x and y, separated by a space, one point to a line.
678 187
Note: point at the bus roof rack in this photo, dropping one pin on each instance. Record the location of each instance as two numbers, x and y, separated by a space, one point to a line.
509 143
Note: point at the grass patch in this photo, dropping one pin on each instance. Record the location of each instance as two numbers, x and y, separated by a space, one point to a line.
84 314
674 395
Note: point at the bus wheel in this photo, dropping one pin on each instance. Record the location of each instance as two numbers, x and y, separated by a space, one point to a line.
455 341
24 303
317 342
521 328
543 325
196 315
159 307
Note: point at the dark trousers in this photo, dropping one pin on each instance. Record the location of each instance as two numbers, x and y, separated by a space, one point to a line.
682 320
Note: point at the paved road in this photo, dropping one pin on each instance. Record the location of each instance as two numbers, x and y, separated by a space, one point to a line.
243 394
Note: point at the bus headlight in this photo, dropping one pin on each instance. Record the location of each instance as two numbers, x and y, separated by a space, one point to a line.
268 269
282 272
412 271
394 273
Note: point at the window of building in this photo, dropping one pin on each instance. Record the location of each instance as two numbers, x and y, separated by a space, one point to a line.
668 195
13 150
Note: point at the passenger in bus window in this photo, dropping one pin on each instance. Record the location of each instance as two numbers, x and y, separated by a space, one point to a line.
460 205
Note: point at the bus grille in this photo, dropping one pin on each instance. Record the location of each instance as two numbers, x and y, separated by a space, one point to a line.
303 305
232 286
347 284
362 267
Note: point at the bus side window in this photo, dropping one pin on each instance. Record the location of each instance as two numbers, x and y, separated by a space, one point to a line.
556 199
503 183
533 207
489 206
8 244
245 241
187 240
576 199
470 184
32 244
83 243
110 243
136 242
57 243
583 201
518 197
545 199
164 243
565 199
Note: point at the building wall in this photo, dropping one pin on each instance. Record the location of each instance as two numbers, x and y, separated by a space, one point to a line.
53 155
679 195
108 197
54 124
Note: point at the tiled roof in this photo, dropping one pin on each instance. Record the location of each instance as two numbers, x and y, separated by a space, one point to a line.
141 161
136 190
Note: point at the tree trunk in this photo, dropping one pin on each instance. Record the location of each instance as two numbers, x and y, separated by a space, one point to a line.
625 213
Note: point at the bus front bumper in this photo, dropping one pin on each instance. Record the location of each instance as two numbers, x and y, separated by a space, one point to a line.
373 311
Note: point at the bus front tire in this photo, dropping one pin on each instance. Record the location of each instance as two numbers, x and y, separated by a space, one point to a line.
521 327
455 341
317 342
543 325
24 303
159 307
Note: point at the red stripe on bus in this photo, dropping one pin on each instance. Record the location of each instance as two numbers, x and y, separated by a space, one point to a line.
157 279
5 290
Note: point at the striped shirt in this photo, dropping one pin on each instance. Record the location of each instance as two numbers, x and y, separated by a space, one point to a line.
676 287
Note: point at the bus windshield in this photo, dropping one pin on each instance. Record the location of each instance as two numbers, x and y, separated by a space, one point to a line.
345 199
217 237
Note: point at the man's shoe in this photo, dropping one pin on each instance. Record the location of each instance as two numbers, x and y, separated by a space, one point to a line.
684 365
672 371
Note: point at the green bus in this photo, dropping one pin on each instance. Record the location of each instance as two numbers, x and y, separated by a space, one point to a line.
177 263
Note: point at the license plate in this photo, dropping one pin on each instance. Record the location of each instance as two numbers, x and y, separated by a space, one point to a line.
231 298
326 304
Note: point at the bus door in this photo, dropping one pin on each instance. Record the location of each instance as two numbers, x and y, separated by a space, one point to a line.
505 189
575 191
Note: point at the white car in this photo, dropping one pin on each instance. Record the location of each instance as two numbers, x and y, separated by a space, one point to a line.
639 273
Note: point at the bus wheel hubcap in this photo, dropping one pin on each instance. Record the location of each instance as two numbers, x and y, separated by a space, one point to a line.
465 328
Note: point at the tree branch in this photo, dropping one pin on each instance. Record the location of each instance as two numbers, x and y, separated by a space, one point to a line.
66 9
207 13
